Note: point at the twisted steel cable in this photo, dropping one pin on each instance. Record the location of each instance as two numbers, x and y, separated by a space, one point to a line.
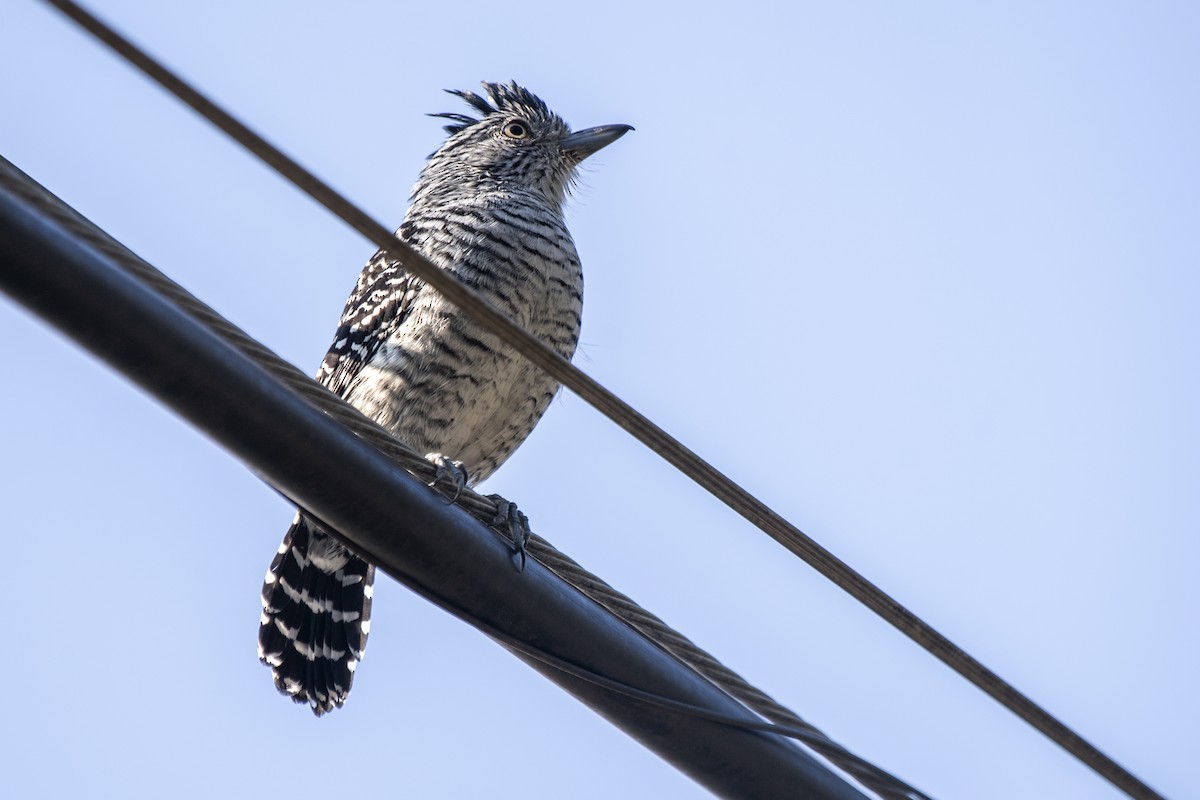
628 418
482 508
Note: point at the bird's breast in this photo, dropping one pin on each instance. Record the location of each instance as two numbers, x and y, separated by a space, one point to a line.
442 382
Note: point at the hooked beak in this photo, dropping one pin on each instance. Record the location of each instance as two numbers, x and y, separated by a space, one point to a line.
581 144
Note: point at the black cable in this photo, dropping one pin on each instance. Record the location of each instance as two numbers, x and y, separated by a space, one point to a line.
651 627
395 520
625 416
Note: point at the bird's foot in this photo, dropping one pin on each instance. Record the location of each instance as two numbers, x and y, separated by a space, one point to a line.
451 477
510 521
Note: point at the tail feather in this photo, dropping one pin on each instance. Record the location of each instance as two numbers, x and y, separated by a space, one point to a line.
316 614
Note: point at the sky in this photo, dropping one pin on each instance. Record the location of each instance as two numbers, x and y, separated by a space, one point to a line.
924 278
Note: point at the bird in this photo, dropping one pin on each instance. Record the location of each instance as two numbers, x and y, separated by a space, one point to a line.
488 208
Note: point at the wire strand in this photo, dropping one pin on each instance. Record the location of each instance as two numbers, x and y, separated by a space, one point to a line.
787 723
651 435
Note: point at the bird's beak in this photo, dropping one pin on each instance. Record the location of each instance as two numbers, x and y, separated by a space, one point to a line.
581 144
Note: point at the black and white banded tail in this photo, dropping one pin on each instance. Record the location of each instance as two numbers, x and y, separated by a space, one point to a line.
316 615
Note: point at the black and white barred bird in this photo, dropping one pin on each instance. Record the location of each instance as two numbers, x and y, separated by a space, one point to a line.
488 207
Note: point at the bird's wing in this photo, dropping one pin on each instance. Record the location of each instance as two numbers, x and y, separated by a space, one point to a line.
380 302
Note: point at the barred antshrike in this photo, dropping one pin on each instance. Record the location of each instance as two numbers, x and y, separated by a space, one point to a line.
488 207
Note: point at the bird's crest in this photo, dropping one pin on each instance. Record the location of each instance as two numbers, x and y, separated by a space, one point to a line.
505 98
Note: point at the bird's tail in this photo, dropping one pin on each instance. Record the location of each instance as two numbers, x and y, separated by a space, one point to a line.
316 614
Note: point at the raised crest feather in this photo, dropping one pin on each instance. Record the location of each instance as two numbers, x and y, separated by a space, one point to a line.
502 98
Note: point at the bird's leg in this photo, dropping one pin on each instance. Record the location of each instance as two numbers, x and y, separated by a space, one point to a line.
451 477
510 521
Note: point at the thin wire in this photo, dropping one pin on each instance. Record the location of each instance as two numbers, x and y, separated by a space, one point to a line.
789 724
654 437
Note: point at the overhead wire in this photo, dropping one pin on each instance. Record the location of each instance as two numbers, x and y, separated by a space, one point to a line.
650 434
784 722
373 505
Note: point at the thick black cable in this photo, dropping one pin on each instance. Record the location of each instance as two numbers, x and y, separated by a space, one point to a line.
76 225
397 522
654 437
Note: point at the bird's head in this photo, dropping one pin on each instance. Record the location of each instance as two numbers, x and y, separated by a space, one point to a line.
516 142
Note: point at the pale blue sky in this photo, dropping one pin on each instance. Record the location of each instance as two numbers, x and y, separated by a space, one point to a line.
923 277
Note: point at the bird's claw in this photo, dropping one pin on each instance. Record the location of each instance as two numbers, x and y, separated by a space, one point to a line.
451 476
512 522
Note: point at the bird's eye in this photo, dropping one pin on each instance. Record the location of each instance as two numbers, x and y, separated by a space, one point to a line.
516 130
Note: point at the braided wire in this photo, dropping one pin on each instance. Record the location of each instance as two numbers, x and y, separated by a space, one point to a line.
619 605
638 425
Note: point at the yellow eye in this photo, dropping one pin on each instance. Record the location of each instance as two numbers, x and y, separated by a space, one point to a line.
517 129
